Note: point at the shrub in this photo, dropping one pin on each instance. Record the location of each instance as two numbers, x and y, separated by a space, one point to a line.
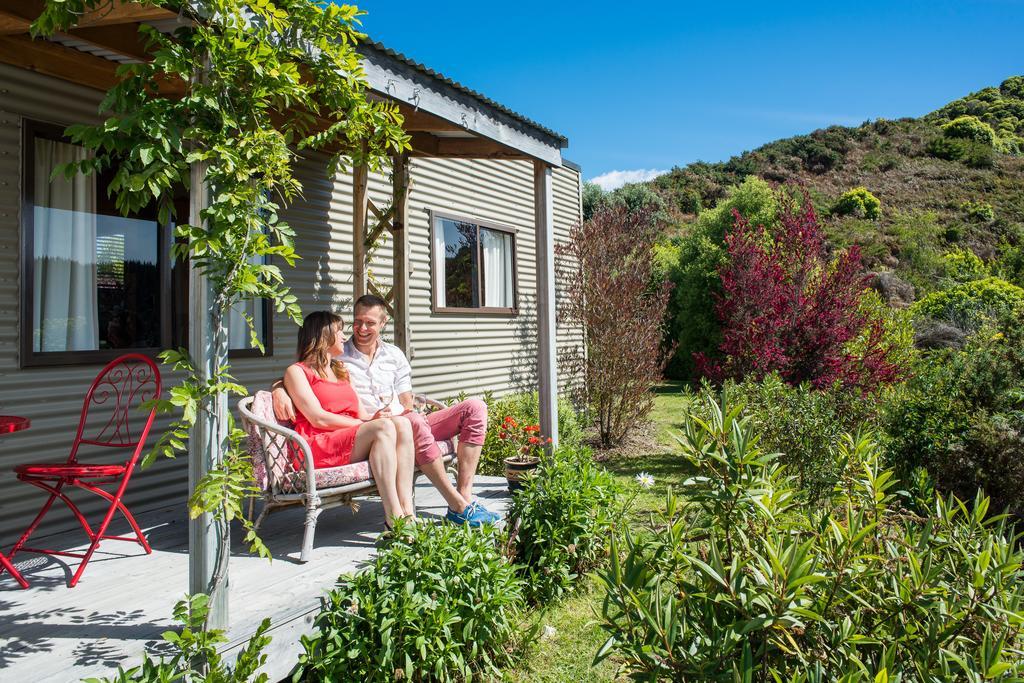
973 154
968 304
439 603
981 212
741 579
563 516
1010 265
692 263
523 408
961 416
608 268
857 202
786 309
197 657
963 265
970 128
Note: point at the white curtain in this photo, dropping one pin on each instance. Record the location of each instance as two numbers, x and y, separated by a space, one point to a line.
64 269
497 254
439 263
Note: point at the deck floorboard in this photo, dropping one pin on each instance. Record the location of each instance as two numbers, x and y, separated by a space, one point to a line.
124 600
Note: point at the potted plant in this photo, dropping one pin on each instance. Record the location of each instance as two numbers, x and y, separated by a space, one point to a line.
527 446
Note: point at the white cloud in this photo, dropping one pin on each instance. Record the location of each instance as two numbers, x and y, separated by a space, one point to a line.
614 179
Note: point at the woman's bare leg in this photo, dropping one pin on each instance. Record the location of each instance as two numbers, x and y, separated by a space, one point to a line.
406 465
375 441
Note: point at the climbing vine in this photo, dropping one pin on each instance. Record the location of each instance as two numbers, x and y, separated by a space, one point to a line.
232 97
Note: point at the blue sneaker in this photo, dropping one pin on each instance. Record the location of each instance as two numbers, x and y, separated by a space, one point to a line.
487 516
474 515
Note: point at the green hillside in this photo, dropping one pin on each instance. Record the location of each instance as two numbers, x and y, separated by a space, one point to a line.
928 203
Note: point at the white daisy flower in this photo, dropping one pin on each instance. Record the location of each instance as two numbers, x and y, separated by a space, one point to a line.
645 480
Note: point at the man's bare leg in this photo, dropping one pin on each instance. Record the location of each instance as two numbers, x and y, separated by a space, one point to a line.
469 460
435 472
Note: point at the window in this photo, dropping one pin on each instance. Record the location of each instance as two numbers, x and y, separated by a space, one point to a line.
94 281
474 266
240 335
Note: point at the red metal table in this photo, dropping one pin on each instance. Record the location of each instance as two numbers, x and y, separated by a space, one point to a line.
13 423
8 425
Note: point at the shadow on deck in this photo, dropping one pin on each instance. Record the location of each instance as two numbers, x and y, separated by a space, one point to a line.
124 600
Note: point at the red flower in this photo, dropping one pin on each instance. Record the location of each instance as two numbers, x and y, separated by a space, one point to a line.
534 440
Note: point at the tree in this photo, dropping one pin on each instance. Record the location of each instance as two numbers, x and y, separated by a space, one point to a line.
786 308
261 82
693 261
608 266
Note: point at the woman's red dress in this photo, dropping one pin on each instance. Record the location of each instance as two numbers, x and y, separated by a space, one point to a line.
330 447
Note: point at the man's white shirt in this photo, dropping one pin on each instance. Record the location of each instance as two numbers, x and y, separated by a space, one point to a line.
387 373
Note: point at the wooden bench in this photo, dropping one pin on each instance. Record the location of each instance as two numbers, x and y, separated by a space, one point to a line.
276 449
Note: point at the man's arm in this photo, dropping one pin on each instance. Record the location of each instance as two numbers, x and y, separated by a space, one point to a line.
403 383
284 408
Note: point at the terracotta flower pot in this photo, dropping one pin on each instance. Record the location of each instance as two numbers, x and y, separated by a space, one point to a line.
515 468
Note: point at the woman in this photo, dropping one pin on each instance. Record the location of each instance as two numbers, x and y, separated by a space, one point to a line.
338 430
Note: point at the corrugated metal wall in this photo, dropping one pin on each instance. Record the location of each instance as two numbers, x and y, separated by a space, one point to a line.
452 353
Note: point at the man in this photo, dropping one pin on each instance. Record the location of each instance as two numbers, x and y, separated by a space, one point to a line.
382 377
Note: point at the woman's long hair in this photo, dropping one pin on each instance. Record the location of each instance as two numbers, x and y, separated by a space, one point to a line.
316 337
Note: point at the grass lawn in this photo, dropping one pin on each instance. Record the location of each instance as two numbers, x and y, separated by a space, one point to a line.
566 655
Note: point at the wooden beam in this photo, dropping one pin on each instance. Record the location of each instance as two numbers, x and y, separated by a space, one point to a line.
427 145
124 12
209 540
16 15
547 370
56 60
415 120
69 64
359 208
401 261
12 24
123 39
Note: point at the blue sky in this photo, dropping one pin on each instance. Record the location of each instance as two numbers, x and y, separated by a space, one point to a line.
650 85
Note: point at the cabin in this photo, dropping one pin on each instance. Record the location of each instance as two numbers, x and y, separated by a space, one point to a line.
459 238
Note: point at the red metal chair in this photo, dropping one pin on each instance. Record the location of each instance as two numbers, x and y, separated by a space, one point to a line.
115 395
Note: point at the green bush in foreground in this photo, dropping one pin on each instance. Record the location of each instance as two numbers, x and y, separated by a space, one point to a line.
438 603
564 516
197 658
961 416
742 580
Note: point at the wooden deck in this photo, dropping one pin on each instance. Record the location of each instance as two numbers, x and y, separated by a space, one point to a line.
123 602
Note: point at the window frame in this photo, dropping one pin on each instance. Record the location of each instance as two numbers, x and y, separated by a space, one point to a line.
437 267
30 358
268 336
173 306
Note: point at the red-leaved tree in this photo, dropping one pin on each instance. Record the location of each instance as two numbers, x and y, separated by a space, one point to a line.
786 308
613 293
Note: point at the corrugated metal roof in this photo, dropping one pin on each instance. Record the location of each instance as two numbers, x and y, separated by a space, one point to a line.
169 25
422 68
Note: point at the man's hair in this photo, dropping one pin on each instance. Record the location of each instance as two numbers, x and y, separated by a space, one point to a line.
370 301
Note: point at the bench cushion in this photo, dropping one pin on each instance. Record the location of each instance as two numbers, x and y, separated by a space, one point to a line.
295 482
328 478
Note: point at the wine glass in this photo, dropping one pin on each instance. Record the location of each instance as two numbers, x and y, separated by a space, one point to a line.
385 396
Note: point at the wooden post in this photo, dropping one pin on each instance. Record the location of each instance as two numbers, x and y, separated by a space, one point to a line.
547 371
359 199
208 540
401 260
